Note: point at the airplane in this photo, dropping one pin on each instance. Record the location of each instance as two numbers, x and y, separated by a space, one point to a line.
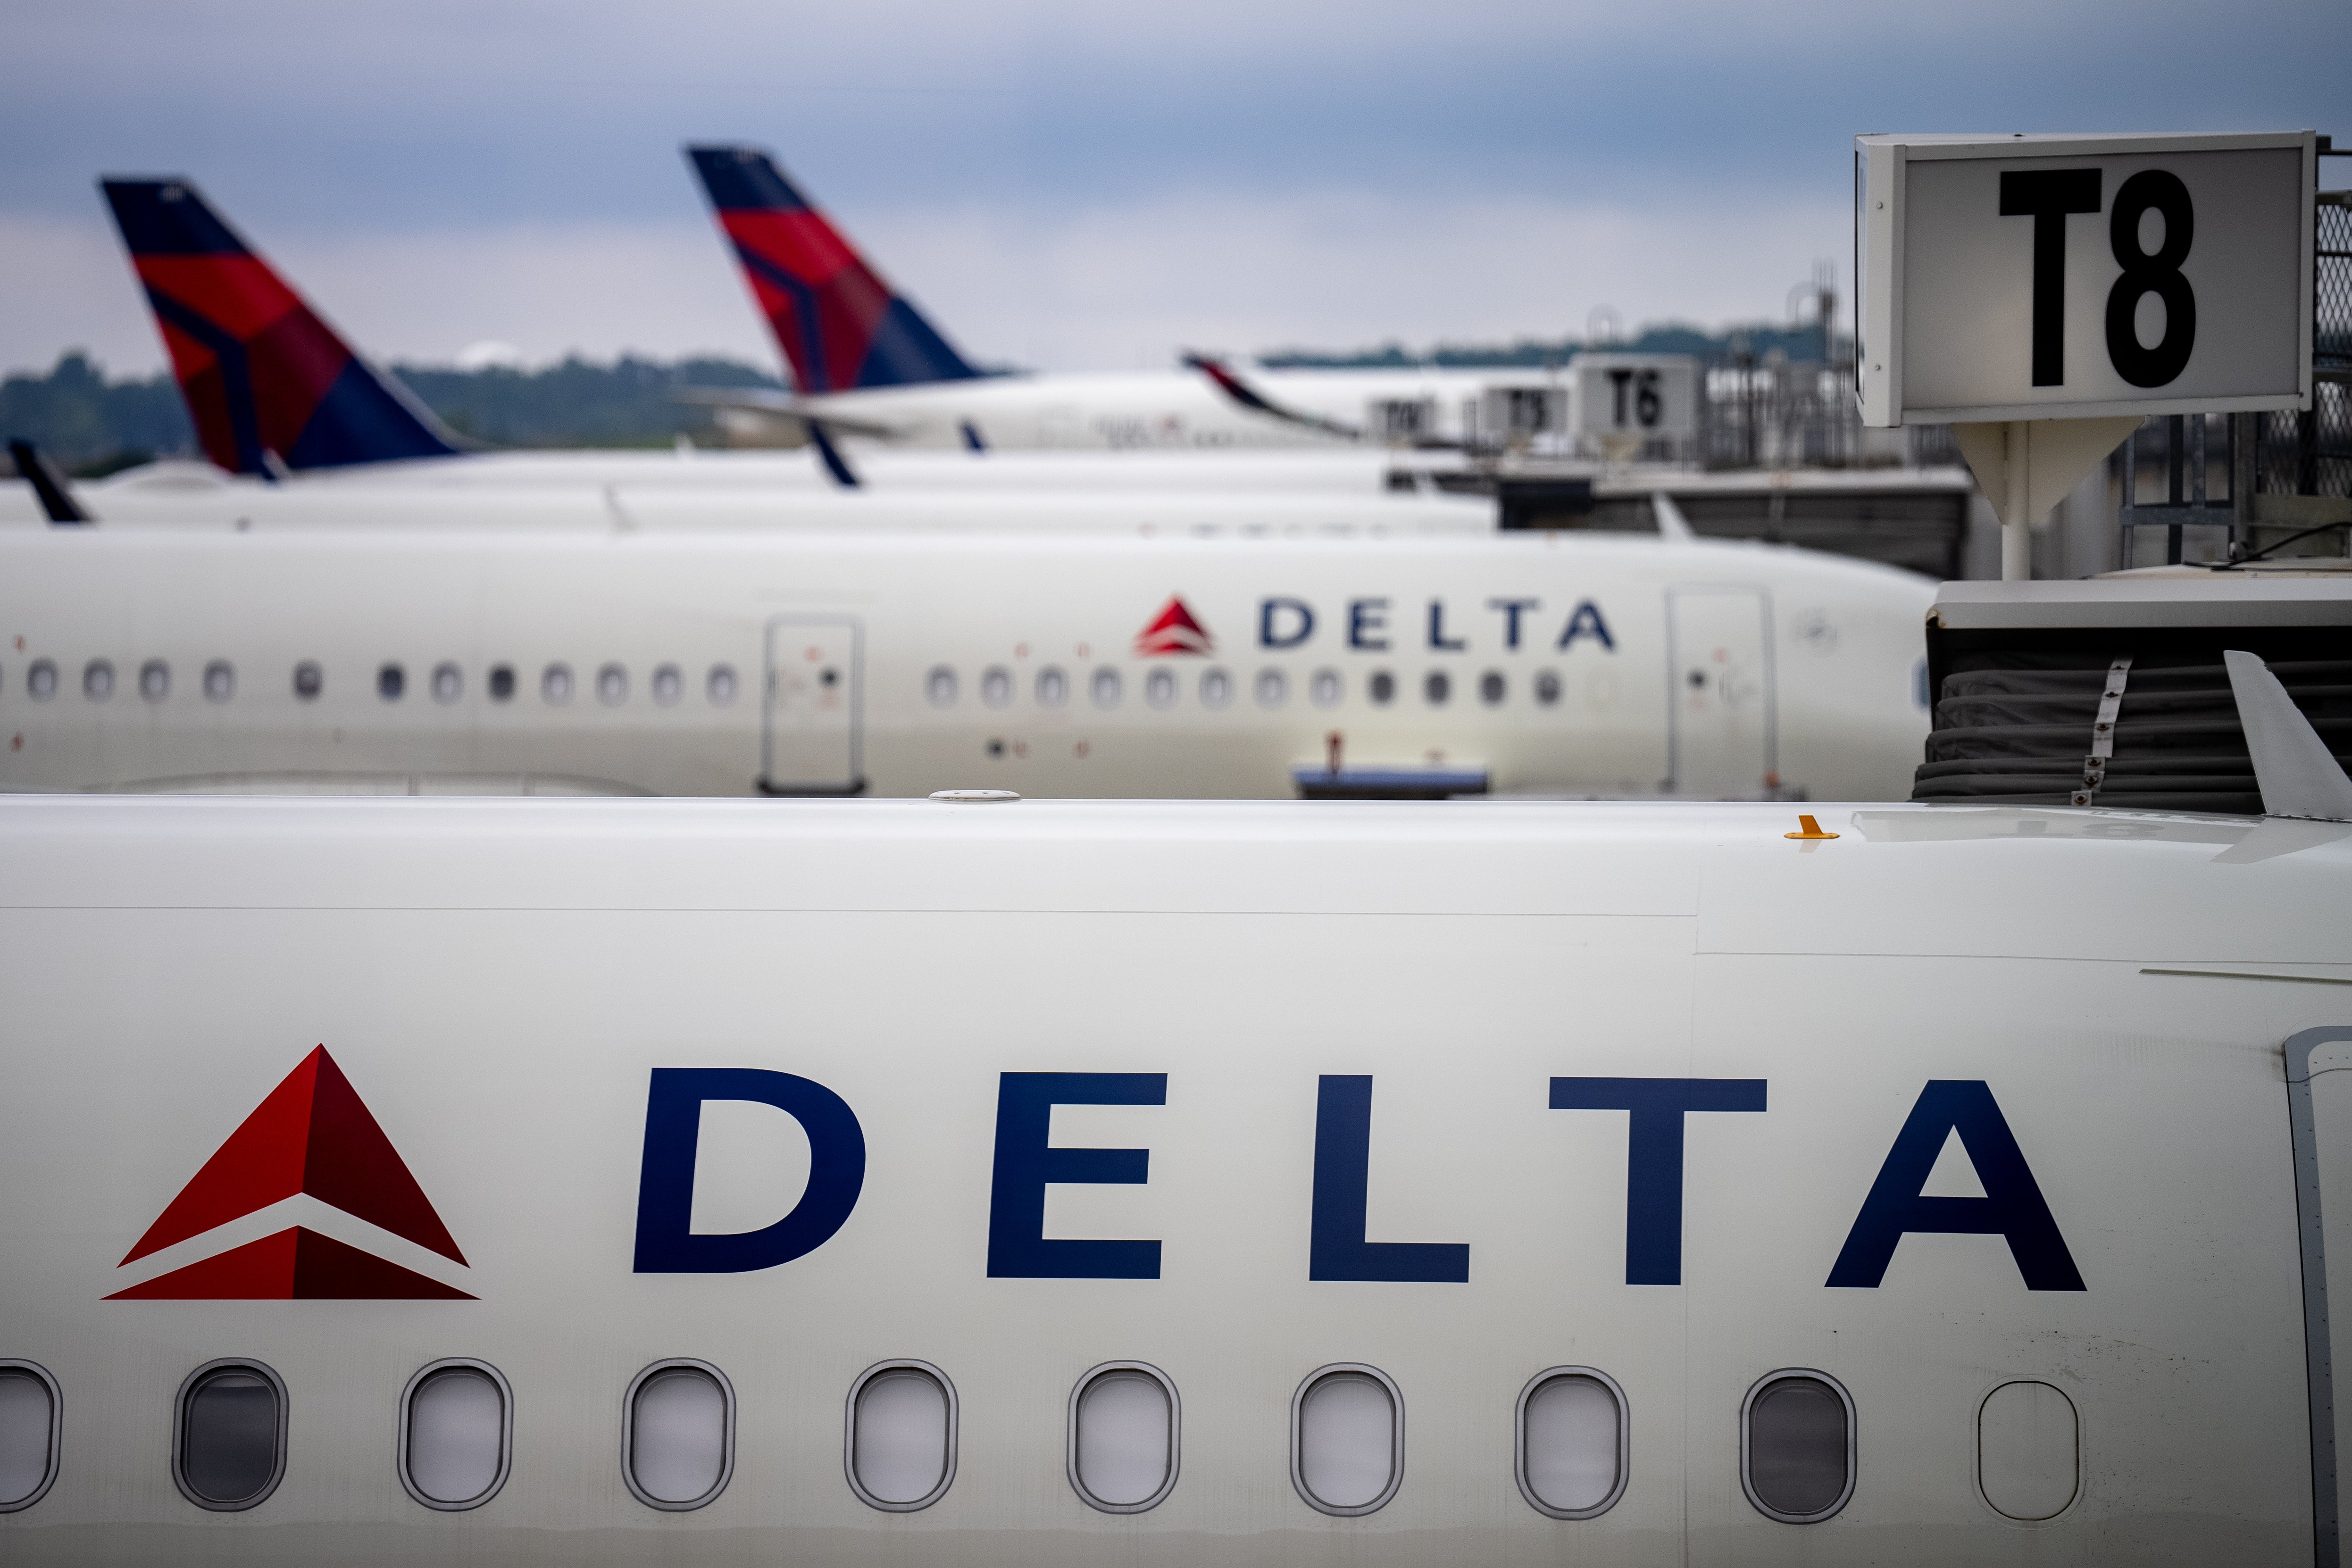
982 1179
906 491
803 662
252 358
865 357
276 395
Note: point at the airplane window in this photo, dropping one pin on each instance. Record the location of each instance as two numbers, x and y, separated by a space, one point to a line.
502 682
449 682
612 685
1436 687
1548 687
2028 1450
721 685
1572 1443
1053 687
1216 688
1272 688
41 680
155 681
309 680
1381 687
555 684
456 1430
902 1435
1491 686
1106 687
220 680
1324 688
29 1413
1796 1447
1160 688
678 1434
669 685
996 686
98 679
939 686
1347 1440
230 1447
391 681
1123 1425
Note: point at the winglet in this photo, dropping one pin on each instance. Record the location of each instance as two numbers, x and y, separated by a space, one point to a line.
58 502
2298 775
830 455
1673 526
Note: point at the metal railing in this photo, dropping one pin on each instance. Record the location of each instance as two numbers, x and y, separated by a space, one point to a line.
1776 413
2268 481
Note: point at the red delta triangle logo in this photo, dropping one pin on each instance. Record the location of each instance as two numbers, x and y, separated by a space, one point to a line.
312 1135
1173 631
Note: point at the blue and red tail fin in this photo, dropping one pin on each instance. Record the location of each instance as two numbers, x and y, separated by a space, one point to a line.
267 381
841 326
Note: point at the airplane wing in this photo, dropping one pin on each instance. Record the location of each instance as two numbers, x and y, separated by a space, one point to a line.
1230 383
784 406
1251 398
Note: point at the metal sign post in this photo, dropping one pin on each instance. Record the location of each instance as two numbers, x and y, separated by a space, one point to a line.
2043 294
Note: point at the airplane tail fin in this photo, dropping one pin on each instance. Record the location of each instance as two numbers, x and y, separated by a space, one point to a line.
267 383
842 327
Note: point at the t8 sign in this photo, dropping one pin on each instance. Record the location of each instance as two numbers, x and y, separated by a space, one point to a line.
2045 277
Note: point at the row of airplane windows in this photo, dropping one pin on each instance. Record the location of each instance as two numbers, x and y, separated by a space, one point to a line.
1270 688
445 682
1570 1441
943 686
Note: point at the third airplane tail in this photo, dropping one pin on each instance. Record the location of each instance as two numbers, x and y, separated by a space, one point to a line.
268 384
842 327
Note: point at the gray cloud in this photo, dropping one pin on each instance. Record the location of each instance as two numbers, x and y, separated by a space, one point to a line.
1120 177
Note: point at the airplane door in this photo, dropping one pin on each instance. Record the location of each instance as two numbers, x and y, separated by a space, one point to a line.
813 731
2319 1107
1719 715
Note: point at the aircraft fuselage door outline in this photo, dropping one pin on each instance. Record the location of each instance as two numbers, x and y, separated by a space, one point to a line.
812 711
2319 1119
1722 707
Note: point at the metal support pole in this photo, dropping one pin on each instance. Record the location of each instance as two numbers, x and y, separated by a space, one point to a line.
2130 496
2016 530
2175 439
2246 441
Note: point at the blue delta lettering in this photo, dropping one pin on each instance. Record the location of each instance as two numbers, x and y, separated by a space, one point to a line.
1285 623
1657 1111
666 1243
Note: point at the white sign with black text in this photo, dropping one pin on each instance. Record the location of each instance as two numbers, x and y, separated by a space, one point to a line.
1643 397
2074 277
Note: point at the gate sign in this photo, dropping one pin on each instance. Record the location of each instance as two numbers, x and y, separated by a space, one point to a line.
2076 276
1652 398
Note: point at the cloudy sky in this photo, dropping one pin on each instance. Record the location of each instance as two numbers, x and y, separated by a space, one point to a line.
1061 185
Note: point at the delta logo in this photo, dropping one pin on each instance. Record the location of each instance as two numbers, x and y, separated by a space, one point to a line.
312 1136
1174 631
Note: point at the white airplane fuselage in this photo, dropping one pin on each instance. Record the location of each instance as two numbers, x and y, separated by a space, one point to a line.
654 499
707 663
562 1182
1169 409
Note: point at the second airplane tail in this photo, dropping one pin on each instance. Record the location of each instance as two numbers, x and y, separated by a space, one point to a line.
268 384
839 324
